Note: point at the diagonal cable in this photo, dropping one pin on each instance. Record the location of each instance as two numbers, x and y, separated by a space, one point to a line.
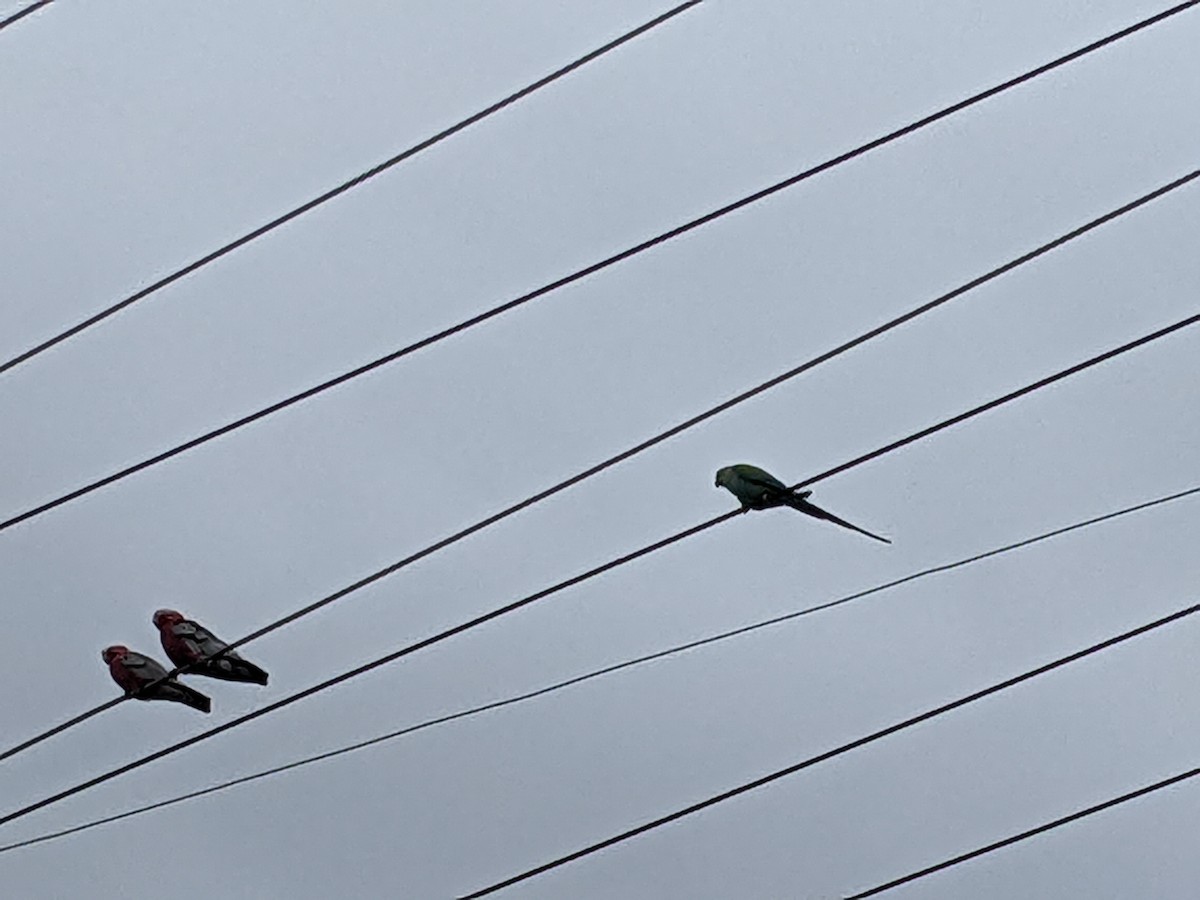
577 579
340 189
629 452
389 570
23 12
1006 398
602 672
863 338
838 751
1032 832
374 664
578 274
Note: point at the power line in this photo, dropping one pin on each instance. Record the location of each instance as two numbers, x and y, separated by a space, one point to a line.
674 430
566 280
22 13
570 582
838 751
606 670
374 664
1000 401
1032 832
383 573
624 454
341 188
63 726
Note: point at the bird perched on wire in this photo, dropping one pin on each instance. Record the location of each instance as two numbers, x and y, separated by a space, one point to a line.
188 643
134 672
757 489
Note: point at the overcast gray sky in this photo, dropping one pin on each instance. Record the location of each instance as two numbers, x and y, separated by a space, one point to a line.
135 136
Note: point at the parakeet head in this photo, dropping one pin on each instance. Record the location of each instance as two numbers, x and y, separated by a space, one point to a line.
723 476
165 618
113 652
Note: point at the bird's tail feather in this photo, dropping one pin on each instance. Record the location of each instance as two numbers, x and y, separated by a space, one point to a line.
800 503
181 693
234 669
251 673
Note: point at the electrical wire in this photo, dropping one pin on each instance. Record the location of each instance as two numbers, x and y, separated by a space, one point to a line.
676 429
577 579
1000 401
22 13
606 670
374 664
1032 832
341 188
838 751
568 279
637 448
63 726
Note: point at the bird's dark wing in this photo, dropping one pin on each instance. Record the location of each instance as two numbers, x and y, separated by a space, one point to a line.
811 509
209 643
772 489
763 480
143 667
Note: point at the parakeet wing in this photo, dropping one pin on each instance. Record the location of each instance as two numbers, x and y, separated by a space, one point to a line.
759 477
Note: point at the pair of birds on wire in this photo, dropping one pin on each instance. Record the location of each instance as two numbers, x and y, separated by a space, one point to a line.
186 643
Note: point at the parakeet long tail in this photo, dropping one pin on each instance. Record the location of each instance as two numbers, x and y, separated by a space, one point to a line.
800 504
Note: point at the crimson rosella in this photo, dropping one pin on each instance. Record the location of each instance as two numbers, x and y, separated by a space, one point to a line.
756 489
133 671
188 643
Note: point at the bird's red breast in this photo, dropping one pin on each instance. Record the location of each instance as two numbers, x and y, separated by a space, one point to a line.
126 679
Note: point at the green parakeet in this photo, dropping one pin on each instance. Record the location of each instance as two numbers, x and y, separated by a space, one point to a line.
756 489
